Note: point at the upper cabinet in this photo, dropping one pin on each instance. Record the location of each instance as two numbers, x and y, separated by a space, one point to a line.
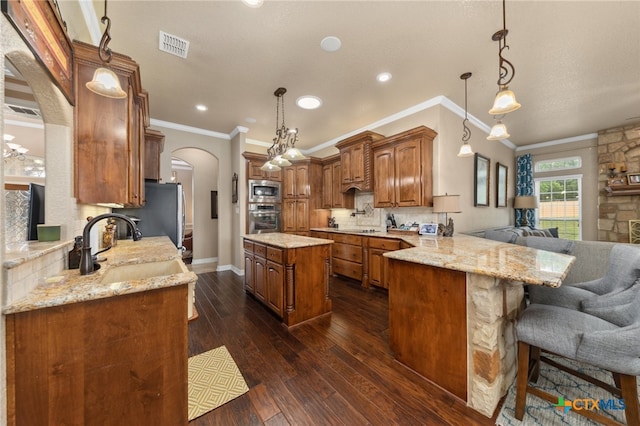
332 195
109 133
356 161
153 147
403 166
254 162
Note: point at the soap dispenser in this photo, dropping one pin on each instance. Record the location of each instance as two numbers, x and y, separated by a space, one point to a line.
75 253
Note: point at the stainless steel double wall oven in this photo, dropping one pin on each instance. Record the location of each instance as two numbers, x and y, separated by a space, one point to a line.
265 206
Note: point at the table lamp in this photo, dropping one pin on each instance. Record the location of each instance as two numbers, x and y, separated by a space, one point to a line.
446 204
525 202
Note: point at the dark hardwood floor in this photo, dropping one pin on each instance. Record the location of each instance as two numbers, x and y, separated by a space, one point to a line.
333 370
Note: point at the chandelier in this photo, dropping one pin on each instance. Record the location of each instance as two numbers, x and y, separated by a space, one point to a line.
13 150
105 82
465 149
505 101
283 150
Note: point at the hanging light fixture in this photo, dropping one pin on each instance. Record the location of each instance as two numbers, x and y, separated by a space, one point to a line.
283 150
105 82
14 151
498 132
465 149
505 101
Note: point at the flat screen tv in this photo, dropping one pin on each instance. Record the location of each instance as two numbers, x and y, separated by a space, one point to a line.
36 210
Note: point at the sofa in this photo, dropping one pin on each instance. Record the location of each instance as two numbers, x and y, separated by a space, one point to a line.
592 257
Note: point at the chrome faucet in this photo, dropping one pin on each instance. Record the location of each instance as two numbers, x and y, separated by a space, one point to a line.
86 260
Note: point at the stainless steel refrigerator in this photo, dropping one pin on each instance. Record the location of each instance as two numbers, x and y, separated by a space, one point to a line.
162 214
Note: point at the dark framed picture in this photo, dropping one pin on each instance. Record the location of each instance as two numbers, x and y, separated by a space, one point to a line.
214 204
633 178
502 173
481 181
234 188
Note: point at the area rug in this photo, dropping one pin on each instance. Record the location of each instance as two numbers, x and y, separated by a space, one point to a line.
214 379
558 382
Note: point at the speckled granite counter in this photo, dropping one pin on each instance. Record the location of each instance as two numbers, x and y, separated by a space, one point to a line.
71 287
277 239
30 250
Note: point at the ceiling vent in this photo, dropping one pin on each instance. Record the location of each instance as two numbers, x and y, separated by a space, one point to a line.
173 45
31 112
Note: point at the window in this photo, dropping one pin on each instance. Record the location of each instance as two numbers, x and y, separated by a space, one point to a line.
559 205
558 164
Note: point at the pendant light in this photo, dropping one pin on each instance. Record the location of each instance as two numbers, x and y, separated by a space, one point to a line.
283 150
105 82
465 149
498 132
505 101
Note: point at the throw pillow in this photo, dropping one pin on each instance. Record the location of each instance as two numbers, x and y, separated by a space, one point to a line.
502 236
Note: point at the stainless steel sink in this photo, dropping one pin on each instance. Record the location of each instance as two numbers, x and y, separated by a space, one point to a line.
143 271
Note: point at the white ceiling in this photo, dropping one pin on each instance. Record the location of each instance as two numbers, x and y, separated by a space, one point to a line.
577 62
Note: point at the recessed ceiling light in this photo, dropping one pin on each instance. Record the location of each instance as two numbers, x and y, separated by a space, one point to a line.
330 44
309 102
253 3
250 120
383 77
201 107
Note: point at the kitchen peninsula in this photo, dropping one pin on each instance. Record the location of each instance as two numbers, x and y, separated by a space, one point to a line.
289 274
104 348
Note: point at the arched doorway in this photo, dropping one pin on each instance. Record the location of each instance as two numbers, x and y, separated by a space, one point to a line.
202 187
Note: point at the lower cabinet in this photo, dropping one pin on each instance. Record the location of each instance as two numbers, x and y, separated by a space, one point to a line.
377 262
347 255
115 361
291 282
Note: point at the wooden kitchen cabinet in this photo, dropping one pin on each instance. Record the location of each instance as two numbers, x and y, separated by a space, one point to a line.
254 162
249 267
295 280
153 147
347 258
403 166
109 133
356 161
332 195
114 361
377 271
302 197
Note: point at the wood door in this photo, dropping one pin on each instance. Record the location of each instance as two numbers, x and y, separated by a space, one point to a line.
347 168
260 274
248 272
302 189
289 215
302 216
275 287
376 266
327 186
384 177
254 171
357 163
289 182
408 183
340 199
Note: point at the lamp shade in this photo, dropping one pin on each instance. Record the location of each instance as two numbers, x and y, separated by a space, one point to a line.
498 132
525 202
446 204
505 102
270 167
465 150
280 161
106 83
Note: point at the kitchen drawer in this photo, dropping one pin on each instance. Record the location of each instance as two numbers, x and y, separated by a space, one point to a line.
347 239
384 243
348 269
248 245
275 254
260 250
347 252
320 234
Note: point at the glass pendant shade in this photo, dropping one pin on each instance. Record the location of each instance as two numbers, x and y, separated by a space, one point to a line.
280 161
498 132
465 150
505 102
106 83
270 167
293 154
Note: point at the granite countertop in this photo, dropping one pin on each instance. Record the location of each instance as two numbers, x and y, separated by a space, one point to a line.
71 287
286 241
487 257
29 250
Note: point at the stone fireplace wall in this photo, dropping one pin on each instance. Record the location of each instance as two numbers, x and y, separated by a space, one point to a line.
619 146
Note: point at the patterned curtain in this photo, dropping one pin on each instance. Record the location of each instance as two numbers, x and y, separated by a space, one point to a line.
524 186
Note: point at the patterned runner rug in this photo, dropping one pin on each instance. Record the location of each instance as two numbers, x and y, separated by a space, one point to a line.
214 379
572 389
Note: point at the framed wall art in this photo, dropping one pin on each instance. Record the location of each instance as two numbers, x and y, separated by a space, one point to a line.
481 181
502 173
234 188
633 178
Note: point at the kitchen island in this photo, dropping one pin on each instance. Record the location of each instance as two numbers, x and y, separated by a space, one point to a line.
452 307
104 348
289 274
